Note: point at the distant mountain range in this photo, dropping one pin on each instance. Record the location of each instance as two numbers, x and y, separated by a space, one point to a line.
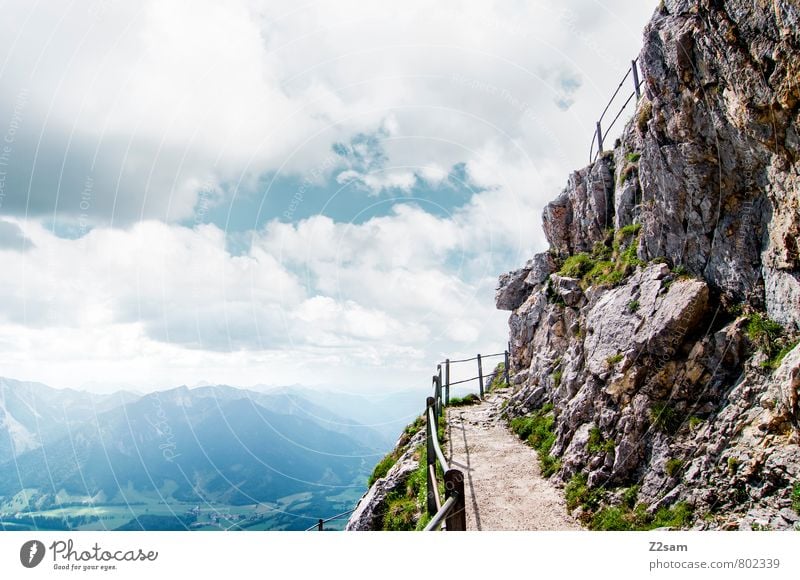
211 444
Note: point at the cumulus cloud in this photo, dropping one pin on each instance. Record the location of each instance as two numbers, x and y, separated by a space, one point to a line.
124 120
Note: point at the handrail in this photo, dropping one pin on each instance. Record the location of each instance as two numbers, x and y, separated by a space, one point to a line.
435 441
441 515
600 135
453 512
321 523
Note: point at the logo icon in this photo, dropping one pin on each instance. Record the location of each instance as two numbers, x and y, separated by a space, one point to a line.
32 553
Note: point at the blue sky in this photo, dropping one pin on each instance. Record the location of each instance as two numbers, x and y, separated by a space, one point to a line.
265 193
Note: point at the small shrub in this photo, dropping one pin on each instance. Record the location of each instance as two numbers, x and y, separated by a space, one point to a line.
665 418
597 443
577 493
471 399
633 306
499 380
694 422
628 231
629 496
776 361
796 497
557 375
537 430
680 270
576 266
765 334
673 466
612 360
733 465
600 251
610 519
633 157
677 516
401 514
383 467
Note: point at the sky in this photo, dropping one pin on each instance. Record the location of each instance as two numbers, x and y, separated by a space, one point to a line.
278 193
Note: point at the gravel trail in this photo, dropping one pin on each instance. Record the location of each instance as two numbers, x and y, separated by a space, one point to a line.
502 480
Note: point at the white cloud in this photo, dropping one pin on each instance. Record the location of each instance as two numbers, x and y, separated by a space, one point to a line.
151 103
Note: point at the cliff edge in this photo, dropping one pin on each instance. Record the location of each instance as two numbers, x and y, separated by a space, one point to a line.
662 322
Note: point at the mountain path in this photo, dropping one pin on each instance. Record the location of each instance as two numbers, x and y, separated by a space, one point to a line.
503 483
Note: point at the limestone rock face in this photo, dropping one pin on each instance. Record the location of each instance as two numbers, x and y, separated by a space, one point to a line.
370 509
657 359
581 214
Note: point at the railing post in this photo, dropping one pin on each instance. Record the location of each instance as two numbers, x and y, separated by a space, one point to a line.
454 485
446 382
430 455
437 396
635 70
599 139
480 375
505 369
320 525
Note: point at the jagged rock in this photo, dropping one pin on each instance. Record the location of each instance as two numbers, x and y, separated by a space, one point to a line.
513 289
568 290
709 167
368 514
658 323
583 212
542 265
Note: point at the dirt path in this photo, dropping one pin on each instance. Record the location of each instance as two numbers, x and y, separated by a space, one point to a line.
504 487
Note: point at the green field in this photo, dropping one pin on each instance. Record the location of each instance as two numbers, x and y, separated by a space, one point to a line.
137 511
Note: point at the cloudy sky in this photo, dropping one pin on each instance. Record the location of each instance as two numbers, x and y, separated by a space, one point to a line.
273 192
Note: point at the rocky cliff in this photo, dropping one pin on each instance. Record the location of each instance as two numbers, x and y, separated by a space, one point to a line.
661 324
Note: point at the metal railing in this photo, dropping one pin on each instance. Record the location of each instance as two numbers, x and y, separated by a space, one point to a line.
320 525
451 513
599 136
439 385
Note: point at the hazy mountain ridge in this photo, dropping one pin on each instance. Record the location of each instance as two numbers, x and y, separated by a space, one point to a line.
217 444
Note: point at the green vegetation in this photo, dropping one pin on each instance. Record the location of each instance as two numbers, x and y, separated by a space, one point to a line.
612 360
680 271
607 265
673 466
628 231
537 430
770 338
664 417
633 306
733 465
796 497
577 266
633 157
499 380
623 518
577 493
694 422
629 496
471 399
406 509
557 375
384 465
597 443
